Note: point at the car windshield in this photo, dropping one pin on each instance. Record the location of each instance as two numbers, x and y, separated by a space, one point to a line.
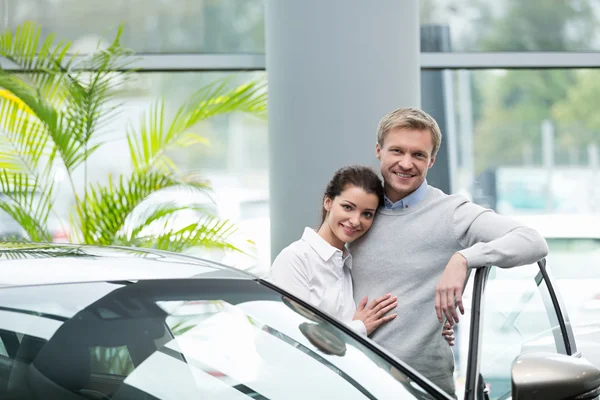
179 339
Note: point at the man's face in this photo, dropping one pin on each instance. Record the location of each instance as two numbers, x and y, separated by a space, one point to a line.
404 159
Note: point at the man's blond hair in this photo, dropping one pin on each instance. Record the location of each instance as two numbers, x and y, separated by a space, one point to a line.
410 118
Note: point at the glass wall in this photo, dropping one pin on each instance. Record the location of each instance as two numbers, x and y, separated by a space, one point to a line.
151 26
525 140
528 140
515 25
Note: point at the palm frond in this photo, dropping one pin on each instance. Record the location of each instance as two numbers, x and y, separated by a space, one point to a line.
104 71
149 146
87 107
108 207
24 135
208 232
153 216
26 204
42 62
25 48
40 123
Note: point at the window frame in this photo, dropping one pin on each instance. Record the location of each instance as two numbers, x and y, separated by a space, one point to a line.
474 389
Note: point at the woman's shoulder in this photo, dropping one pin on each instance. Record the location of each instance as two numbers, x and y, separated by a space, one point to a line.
297 251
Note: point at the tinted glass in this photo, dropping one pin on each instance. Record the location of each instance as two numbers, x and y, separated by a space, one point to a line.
151 26
218 339
527 144
513 25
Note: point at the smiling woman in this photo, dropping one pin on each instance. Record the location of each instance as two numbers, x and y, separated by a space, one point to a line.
317 267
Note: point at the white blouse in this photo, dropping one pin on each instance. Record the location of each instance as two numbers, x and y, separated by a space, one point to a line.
318 273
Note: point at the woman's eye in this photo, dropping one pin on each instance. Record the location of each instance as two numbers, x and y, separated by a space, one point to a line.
346 207
368 215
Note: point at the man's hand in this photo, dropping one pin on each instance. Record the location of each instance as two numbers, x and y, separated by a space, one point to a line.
448 333
373 315
448 293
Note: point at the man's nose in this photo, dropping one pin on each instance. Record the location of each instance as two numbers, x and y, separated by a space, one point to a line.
405 162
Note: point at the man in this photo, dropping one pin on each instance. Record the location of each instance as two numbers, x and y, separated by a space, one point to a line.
423 241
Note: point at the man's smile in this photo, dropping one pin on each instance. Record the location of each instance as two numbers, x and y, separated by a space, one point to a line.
404 176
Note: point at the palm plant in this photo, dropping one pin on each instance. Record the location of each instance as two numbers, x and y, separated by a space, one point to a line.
50 116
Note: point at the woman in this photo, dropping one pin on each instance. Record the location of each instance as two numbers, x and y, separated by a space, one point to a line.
317 267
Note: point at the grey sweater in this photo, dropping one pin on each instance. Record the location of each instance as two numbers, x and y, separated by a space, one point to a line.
405 253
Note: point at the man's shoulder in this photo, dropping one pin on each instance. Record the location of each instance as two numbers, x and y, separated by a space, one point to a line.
441 198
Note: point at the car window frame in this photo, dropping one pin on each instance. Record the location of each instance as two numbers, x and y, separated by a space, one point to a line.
570 345
474 389
472 382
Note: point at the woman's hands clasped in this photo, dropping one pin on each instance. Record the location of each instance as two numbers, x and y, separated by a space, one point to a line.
373 314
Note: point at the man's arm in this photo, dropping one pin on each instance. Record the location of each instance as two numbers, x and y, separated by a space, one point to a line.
487 239
491 239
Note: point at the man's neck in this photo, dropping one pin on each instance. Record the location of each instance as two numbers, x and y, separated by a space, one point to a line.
406 200
395 196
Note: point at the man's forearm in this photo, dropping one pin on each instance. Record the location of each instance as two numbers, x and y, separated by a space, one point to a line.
520 246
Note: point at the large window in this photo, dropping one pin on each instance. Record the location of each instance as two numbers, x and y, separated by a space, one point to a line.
515 25
151 26
527 140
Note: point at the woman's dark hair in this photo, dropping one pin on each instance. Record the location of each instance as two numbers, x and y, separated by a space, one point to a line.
354 175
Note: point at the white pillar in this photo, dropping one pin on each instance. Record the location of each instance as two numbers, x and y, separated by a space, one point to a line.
334 67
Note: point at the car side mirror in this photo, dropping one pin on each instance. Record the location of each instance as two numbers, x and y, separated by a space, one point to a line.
552 376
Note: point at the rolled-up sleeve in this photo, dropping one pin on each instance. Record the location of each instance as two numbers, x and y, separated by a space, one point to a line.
290 272
491 239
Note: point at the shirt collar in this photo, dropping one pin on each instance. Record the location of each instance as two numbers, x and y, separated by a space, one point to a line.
324 249
409 201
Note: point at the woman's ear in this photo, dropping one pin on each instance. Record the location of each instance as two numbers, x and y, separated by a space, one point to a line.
327 204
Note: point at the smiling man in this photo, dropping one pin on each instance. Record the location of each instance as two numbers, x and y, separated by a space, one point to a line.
422 243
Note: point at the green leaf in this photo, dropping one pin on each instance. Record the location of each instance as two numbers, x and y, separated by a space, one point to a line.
108 207
149 146
26 204
207 232
154 215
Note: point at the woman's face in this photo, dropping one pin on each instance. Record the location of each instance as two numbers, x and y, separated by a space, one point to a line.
350 215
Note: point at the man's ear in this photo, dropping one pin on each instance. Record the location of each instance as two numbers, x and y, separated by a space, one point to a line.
378 151
431 161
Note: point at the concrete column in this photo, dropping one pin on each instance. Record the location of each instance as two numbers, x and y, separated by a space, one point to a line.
334 67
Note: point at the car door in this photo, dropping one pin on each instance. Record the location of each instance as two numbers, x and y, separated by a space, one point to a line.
514 311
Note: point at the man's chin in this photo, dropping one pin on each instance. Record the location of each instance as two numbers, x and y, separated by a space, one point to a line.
401 192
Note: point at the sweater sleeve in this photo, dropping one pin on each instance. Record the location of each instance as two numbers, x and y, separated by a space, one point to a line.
491 239
291 274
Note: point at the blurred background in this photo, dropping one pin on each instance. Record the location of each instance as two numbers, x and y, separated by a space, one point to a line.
525 141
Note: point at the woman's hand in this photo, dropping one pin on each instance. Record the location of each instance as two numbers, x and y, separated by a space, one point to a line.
373 315
448 333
